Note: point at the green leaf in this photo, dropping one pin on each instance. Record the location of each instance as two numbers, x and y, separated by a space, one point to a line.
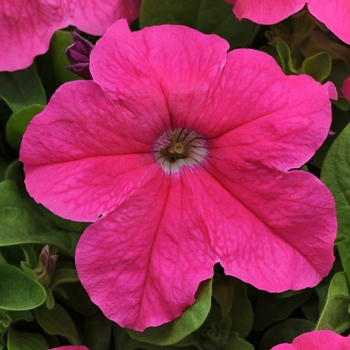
22 88
335 315
60 276
242 311
97 332
50 300
18 291
18 122
57 321
19 226
75 296
31 256
318 66
285 57
207 16
223 292
271 307
58 45
191 319
335 174
238 343
64 223
29 341
191 340
21 315
285 332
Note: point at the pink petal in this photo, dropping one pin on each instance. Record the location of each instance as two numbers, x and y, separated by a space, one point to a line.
26 30
179 71
262 115
28 27
81 166
283 224
317 340
94 17
346 88
334 14
267 11
143 263
164 240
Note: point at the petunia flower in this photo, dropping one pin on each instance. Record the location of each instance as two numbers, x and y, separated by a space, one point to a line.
334 14
181 153
27 27
317 340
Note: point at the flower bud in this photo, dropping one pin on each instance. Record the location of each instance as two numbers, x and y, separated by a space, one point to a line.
46 266
78 55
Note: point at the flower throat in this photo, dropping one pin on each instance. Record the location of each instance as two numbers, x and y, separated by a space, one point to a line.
179 147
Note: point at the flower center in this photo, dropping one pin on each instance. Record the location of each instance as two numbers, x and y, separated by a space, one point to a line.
179 147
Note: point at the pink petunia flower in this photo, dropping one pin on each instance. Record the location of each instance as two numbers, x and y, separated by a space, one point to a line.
317 340
183 151
27 27
335 14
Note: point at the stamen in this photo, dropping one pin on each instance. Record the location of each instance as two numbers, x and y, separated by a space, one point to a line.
179 147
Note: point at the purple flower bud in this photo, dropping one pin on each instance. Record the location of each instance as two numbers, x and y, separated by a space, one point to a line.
78 55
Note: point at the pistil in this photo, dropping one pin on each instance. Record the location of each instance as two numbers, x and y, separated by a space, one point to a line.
179 147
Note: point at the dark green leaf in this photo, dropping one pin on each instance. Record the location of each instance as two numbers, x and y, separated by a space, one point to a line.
21 88
336 175
207 16
271 308
60 276
238 343
318 66
335 315
285 57
75 296
191 319
25 341
285 332
64 223
18 225
31 256
21 315
58 45
241 312
18 122
57 321
97 332
18 291
223 292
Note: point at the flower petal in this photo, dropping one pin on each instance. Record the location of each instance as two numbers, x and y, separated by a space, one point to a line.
334 14
316 340
94 17
265 116
282 225
164 240
27 30
143 263
179 71
92 154
267 11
